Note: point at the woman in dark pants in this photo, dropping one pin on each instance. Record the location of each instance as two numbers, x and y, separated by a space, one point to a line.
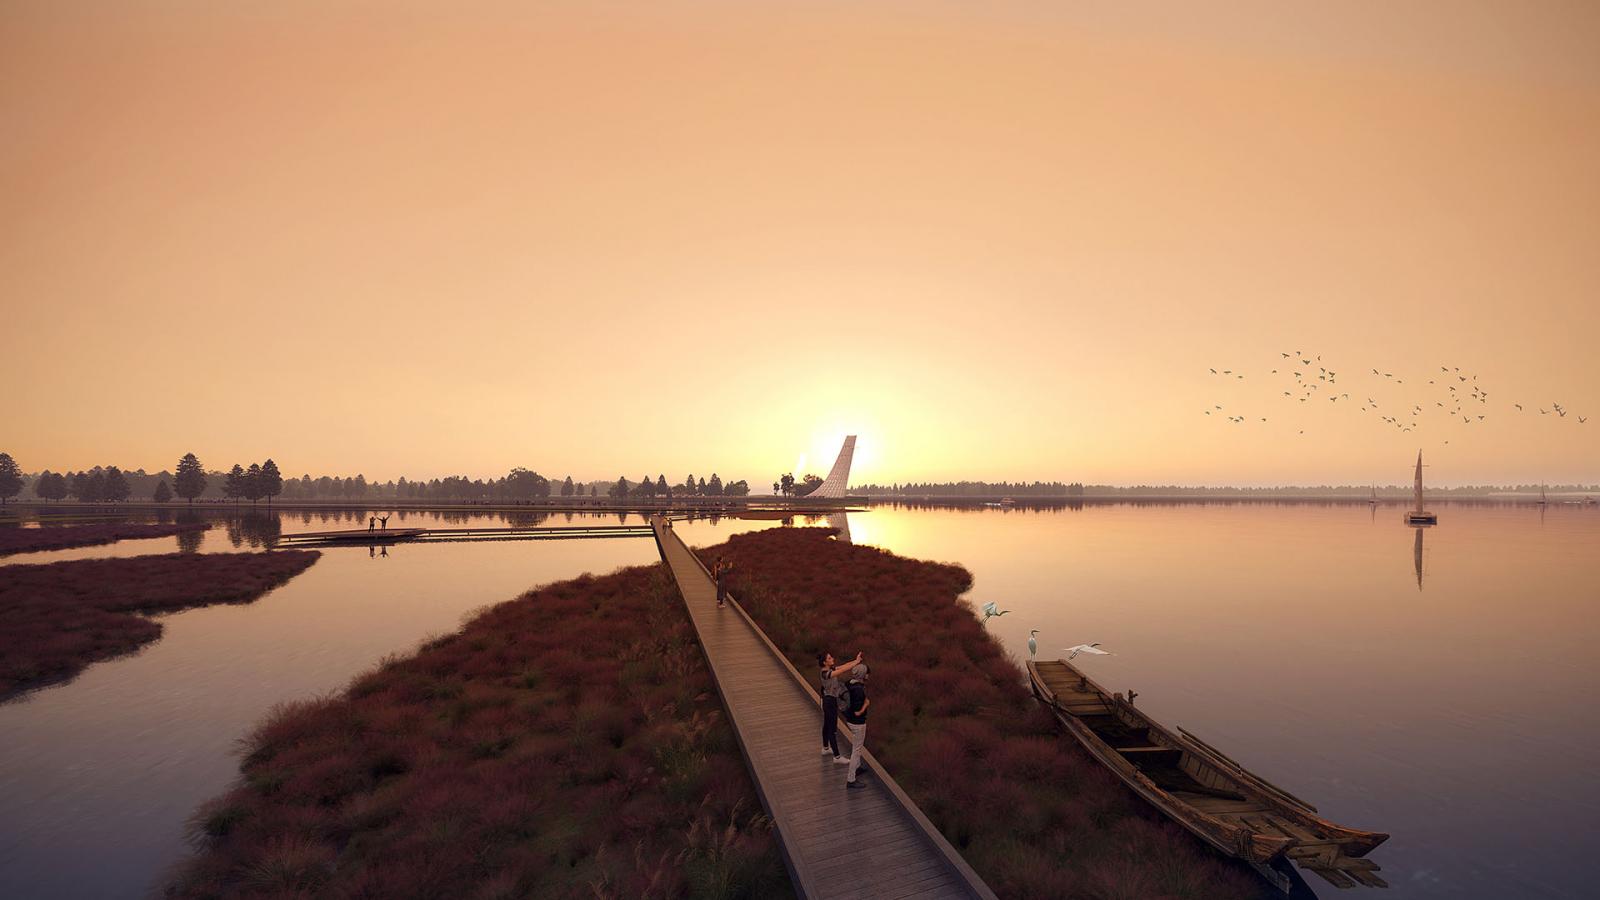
832 690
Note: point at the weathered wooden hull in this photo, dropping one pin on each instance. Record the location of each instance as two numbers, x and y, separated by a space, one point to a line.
1197 786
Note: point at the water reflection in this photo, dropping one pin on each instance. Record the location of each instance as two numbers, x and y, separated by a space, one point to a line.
1416 555
1288 634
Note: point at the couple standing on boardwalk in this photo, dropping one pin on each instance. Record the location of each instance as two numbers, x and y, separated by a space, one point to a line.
844 691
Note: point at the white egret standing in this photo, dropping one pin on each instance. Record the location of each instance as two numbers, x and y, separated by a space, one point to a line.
1093 649
990 610
1033 645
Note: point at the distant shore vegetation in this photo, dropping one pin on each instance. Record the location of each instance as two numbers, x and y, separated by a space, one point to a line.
264 481
258 482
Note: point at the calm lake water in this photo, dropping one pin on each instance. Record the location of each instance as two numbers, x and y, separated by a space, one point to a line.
1456 713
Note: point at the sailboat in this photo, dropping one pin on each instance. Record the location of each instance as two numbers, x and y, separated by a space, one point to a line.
1542 500
1418 515
1374 500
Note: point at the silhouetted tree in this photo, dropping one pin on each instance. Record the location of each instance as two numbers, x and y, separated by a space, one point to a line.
50 486
252 483
594 490
115 487
811 483
620 489
738 488
714 489
787 482
661 486
776 487
689 482
701 488
10 478
190 478
162 493
90 487
271 480
233 486
566 487
522 484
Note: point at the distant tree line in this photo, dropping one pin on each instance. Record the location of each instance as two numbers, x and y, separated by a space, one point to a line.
191 481
972 489
689 487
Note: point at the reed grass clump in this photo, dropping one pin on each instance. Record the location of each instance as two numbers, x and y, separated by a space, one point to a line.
565 744
57 618
61 537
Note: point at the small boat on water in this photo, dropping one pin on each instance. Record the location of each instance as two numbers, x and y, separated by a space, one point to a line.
1197 786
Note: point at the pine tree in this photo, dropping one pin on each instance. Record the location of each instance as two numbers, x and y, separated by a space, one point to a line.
620 489
233 485
689 483
190 478
10 478
661 485
115 486
714 489
271 480
252 483
163 493
566 487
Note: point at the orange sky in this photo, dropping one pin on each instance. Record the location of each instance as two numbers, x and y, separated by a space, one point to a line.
996 240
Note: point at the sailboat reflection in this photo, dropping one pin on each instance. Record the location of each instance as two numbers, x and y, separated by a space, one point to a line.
1416 555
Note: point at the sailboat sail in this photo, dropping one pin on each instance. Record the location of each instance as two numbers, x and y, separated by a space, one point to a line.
1419 481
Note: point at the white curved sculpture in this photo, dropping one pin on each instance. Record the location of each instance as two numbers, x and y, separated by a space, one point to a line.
836 486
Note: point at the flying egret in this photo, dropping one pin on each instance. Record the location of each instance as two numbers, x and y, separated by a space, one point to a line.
1033 645
1093 649
990 610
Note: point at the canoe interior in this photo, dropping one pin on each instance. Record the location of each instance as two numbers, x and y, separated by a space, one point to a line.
1203 790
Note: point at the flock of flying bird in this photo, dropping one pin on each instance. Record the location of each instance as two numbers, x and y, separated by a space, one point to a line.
991 610
1454 394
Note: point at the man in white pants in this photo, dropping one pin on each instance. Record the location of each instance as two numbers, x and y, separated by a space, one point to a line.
855 718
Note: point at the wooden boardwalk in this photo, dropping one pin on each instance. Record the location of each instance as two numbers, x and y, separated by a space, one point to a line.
433 535
837 843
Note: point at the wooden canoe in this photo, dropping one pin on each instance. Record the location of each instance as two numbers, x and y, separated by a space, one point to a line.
1197 786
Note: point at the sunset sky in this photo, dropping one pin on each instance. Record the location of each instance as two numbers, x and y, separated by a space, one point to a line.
996 240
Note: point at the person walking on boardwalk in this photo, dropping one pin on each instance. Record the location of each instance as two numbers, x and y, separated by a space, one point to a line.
832 691
720 573
855 718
